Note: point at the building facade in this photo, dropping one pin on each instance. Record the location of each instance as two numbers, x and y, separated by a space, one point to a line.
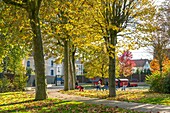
141 65
51 68
140 70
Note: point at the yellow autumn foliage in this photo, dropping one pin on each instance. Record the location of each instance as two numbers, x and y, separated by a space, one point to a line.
155 67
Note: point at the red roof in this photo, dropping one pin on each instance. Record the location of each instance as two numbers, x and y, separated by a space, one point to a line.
141 62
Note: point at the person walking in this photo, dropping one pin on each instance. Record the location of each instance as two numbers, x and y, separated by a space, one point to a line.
124 87
76 85
99 85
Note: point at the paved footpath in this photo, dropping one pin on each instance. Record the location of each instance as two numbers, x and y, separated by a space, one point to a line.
127 105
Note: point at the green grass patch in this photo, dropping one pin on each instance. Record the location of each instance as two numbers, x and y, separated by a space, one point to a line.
132 95
21 102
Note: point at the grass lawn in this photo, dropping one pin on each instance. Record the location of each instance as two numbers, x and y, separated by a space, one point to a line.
20 102
131 95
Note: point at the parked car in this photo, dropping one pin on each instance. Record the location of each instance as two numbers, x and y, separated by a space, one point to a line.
122 82
126 83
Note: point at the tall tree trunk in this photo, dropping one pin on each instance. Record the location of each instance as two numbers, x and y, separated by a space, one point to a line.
71 75
160 65
102 73
112 64
38 55
66 65
73 66
112 87
32 7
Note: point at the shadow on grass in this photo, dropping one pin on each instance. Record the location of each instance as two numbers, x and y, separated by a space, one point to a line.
42 107
10 93
27 101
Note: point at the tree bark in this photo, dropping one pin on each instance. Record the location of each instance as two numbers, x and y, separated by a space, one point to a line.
38 55
160 65
66 65
112 64
72 68
33 7
71 76
102 73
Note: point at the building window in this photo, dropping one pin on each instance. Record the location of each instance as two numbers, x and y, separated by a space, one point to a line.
52 63
52 72
59 69
28 63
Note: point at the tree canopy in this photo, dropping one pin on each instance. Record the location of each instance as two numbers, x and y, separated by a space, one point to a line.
100 26
115 17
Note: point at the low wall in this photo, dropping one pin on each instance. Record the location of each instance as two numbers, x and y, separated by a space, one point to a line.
31 81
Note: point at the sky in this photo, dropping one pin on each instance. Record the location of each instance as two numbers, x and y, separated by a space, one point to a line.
142 53
145 53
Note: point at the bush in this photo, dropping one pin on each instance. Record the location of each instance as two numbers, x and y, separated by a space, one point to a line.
159 83
18 83
166 84
20 78
5 85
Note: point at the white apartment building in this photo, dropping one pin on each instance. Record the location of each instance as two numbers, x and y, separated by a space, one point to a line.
52 69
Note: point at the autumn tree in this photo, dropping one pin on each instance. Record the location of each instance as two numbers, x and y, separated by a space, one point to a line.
96 61
63 30
126 63
114 17
13 33
32 7
159 82
155 66
161 34
66 28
